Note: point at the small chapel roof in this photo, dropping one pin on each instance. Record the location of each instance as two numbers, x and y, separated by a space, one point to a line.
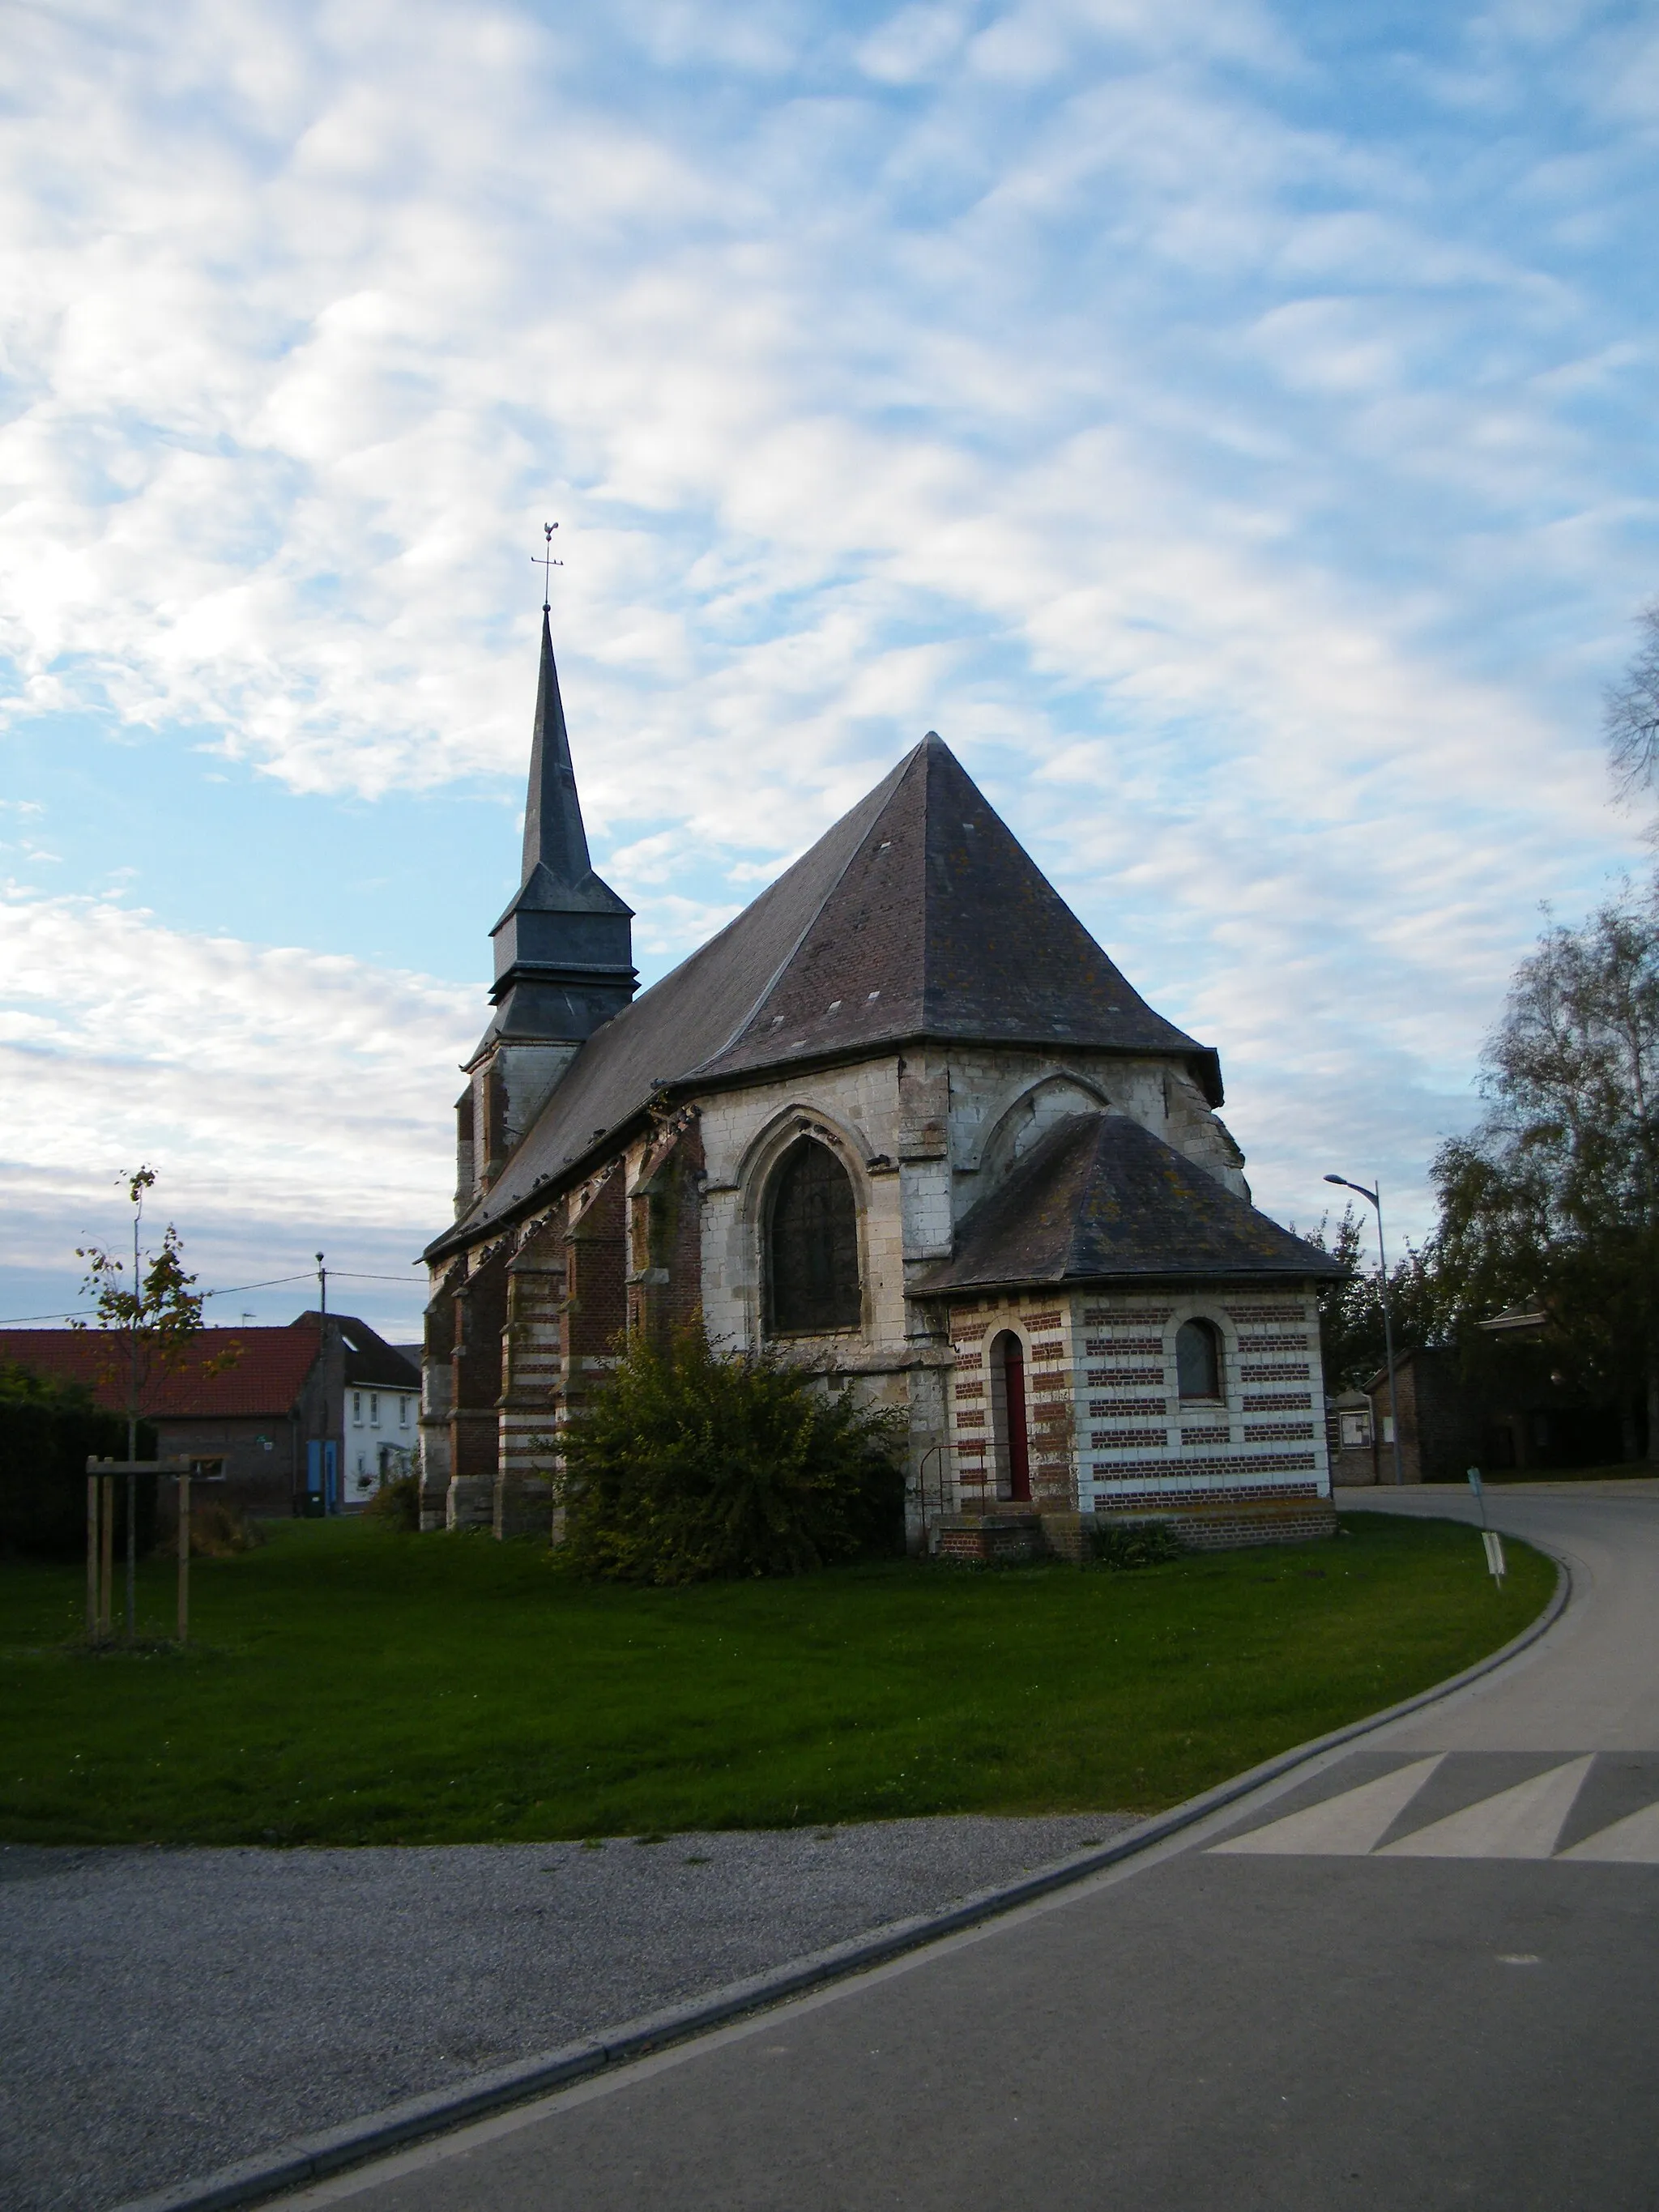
918 915
1099 1199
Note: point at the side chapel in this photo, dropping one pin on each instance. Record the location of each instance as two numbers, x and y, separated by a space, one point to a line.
905 1120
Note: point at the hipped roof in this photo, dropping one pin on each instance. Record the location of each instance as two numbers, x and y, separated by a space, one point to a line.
1100 1198
919 916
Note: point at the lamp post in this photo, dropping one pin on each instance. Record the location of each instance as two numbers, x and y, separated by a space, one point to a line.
1373 1198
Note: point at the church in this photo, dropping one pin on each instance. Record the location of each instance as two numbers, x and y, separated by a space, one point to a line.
903 1119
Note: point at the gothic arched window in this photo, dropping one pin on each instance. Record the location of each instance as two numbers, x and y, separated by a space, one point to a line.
1197 1359
812 1244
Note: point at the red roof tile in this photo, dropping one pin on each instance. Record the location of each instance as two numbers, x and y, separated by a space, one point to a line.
268 1376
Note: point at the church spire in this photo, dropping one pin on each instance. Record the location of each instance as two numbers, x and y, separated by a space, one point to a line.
564 956
554 837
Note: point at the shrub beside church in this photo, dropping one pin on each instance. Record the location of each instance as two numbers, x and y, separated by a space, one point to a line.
902 1122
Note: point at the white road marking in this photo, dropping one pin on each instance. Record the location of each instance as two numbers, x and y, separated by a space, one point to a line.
1523 1823
1348 1826
1633 1841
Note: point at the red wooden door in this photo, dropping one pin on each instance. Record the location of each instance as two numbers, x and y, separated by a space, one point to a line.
1013 1398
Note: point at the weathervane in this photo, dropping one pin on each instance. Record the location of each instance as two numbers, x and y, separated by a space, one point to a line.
547 564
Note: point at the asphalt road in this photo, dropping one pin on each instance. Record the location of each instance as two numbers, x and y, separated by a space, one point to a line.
1421 1975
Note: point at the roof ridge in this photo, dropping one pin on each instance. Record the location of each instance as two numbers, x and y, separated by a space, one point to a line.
888 784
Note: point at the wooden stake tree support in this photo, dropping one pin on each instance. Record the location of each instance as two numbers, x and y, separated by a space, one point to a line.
101 1533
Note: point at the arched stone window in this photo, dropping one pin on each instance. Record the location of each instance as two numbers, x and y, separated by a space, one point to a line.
812 1244
1198 1360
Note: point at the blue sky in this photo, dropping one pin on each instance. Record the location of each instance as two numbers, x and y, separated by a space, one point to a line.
1229 424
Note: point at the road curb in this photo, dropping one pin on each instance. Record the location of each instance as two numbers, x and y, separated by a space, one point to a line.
313 2158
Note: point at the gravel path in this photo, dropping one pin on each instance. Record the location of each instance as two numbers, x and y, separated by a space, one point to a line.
163 2012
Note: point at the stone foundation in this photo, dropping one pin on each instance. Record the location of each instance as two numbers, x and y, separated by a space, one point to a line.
992 1540
1220 1524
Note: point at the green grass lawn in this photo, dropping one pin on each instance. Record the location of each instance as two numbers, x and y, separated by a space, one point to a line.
353 1686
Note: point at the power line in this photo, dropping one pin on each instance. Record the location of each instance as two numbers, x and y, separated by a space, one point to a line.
231 1291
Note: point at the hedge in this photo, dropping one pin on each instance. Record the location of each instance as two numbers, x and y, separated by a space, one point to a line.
48 1432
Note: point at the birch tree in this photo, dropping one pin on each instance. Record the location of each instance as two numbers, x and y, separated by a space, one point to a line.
1553 1194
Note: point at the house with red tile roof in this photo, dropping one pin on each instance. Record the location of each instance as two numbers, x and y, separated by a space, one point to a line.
309 1419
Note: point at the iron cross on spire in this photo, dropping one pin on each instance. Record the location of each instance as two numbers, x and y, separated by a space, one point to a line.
547 564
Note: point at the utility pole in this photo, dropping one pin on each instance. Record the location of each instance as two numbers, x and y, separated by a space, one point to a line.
1373 1198
132 1422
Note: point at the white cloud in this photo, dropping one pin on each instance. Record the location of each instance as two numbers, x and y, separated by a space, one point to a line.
282 1095
1243 481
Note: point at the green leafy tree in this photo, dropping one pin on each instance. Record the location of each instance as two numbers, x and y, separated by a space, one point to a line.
22 1386
1351 1329
149 1320
687 1463
1555 1194
151 1317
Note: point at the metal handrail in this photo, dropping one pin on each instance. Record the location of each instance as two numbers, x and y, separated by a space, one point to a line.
942 1453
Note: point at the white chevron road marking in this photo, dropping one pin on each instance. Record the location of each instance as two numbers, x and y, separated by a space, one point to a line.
1633 1841
1348 1826
1523 1823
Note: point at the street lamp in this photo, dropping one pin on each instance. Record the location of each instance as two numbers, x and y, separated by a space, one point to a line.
1373 1198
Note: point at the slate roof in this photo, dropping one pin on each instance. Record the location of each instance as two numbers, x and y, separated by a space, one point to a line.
1100 1198
369 1359
918 914
557 875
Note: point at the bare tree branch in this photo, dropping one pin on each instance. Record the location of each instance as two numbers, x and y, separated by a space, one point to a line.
1630 714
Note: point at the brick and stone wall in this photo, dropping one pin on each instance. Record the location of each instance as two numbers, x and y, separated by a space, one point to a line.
479 1307
674 1223
1107 1431
531 1346
437 1393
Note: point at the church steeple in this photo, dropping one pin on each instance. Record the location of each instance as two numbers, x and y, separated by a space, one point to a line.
564 959
553 836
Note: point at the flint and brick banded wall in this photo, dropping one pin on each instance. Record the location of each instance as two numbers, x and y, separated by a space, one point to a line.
1260 1451
479 1305
665 1181
437 1394
1044 1326
532 1350
1107 1429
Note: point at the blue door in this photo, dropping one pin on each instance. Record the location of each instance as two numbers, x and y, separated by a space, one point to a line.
330 1477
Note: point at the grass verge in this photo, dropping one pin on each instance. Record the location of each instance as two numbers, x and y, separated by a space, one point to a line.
357 1687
